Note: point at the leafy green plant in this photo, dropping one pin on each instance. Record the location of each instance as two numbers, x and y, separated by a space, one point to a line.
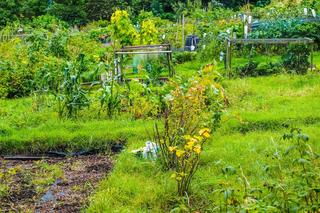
57 44
187 110
122 30
149 32
142 100
182 57
246 70
186 158
110 98
304 164
154 69
296 59
71 97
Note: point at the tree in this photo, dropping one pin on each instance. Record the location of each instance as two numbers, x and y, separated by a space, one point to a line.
9 11
71 11
122 29
100 9
33 8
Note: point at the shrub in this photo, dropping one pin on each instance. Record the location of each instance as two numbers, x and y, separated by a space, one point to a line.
246 70
296 59
182 57
57 44
122 30
149 32
187 111
14 80
254 69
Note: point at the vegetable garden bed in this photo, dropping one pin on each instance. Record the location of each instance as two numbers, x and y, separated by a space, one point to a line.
52 185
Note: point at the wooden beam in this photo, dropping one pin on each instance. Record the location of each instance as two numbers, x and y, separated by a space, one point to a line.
272 41
145 52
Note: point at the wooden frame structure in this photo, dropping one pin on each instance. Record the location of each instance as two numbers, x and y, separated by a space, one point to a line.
275 41
143 50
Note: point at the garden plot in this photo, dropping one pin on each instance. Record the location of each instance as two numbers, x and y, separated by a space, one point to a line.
51 185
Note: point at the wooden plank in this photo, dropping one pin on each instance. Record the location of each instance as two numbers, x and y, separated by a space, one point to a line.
145 52
146 46
272 41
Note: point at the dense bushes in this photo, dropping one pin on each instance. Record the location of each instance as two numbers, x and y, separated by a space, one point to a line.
296 59
14 81
182 57
79 12
284 28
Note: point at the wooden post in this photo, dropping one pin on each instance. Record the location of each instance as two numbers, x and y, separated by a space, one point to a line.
117 67
311 57
228 57
182 31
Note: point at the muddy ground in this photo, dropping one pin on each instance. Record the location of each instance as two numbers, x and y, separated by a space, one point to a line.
51 185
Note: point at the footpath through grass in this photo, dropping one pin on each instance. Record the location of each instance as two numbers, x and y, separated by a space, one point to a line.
261 110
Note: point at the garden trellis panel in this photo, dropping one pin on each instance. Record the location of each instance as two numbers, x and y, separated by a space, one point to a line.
275 41
144 50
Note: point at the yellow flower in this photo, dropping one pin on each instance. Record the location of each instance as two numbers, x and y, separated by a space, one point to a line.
199 139
179 153
172 149
181 174
187 137
205 133
197 149
189 145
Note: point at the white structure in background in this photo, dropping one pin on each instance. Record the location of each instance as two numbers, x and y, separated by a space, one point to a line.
314 14
305 11
246 31
249 19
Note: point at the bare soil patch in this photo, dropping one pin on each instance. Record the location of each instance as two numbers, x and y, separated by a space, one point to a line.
51 185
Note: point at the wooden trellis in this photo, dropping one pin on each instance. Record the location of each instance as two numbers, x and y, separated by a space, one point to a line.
275 41
143 50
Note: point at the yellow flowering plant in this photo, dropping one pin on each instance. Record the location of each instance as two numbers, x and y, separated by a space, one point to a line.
187 158
190 105
122 29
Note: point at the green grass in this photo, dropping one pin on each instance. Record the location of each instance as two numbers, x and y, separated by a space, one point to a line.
23 130
249 136
259 112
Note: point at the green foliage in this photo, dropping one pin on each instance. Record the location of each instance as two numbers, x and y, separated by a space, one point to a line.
154 68
284 28
122 30
187 110
186 159
57 44
149 33
13 10
71 11
100 10
47 22
182 57
247 69
71 97
14 80
110 98
296 59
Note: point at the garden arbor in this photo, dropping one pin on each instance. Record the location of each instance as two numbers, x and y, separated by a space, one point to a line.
275 41
142 50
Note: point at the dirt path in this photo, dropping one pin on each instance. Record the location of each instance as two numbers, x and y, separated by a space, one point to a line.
54 185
